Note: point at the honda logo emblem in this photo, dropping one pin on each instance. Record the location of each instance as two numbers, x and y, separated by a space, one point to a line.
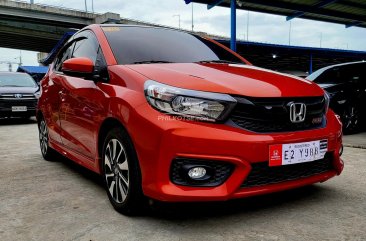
297 112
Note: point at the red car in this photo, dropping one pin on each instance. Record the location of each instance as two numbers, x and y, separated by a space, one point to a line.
171 116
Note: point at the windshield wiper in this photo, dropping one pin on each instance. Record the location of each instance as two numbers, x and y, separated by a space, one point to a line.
152 62
218 61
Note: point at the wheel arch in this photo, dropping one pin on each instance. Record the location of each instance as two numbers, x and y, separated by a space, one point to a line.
107 125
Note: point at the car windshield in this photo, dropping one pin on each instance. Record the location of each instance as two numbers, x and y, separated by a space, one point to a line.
147 45
16 80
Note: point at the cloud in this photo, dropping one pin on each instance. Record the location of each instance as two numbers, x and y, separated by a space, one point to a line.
262 27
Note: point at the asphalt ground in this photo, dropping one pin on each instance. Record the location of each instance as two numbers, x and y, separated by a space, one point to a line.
42 200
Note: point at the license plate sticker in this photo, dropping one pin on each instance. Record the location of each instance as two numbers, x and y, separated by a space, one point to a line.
18 108
287 154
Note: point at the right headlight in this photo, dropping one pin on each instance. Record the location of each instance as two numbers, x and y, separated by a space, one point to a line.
191 104
327 100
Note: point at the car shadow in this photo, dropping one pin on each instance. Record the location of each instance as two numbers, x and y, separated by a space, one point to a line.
76 168
17 121
202 210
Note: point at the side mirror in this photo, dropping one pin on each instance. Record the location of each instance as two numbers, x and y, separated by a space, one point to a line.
78 67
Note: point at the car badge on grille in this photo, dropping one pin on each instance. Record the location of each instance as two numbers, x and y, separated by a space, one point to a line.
297 112
18 96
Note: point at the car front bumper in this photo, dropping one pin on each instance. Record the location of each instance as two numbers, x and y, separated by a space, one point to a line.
159 139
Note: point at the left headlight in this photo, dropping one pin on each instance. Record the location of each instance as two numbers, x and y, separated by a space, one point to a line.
191 104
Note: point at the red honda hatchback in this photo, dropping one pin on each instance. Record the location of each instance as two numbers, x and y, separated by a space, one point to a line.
172 116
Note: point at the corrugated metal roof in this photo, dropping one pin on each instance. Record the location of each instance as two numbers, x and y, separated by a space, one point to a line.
347 12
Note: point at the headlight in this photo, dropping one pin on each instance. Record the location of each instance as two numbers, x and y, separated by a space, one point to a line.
327 100
37 94
199 105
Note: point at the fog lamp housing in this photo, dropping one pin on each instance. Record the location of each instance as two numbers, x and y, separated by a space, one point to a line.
199 173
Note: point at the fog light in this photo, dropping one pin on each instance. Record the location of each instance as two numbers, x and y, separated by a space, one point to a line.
197 172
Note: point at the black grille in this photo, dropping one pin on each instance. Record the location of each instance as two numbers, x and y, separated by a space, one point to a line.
265 115
9 100
261 174
6 104
218 172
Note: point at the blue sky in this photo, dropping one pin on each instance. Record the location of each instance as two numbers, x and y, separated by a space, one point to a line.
262 27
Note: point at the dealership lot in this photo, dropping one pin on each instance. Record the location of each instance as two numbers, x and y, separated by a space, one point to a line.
42 200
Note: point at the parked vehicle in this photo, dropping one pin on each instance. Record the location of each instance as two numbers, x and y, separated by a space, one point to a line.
171 116
18 95
346 86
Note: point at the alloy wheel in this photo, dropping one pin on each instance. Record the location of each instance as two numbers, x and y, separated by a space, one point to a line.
43 137
116 170
351 118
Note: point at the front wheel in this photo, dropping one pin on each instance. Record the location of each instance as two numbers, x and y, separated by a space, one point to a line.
47 152
351 119
121 173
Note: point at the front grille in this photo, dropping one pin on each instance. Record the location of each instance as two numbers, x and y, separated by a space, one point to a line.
9 100
17 97
266 115
262 174
220 171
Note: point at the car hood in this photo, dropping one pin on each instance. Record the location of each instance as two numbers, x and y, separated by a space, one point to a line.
18 90
326 86
232 79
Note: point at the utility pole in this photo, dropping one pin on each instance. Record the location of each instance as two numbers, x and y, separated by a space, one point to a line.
93 6
86 6
31 1
321 38
9 63
289 34
20 58
248 26
192 17
177 15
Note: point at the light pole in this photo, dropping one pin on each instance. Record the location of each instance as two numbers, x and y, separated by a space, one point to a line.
177 15
321 39
192 17
289 34
248 27
86 7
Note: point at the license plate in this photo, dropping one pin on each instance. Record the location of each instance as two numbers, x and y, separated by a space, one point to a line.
18 108
287 154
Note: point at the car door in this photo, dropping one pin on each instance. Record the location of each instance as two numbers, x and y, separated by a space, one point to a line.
82 101
53 87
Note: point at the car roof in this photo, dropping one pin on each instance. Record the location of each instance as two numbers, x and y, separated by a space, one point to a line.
342 64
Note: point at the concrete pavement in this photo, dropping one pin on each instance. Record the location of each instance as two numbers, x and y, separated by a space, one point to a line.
42 200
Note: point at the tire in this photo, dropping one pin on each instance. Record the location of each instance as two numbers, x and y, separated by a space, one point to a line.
47 152
121 173
351 119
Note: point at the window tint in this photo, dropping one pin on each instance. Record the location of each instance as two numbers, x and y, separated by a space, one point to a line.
86 47
339 74
139 44
62 56
330 76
